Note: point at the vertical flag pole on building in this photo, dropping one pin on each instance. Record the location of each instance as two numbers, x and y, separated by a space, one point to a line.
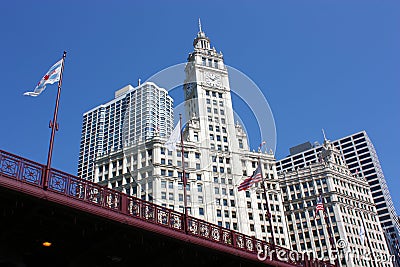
364 234
320 206
54 125
267 209
183 174
170 144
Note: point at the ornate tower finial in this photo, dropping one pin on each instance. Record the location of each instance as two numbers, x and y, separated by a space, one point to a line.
200 30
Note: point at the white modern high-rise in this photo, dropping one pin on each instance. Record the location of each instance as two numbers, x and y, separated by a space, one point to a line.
352 217
216 159
134 115
361 158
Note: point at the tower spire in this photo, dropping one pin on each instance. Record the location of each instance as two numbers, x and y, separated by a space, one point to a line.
323 133
201 40
200 30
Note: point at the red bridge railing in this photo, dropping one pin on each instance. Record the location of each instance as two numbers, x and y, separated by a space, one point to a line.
32 173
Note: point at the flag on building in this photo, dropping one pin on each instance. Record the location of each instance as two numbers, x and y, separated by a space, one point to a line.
174 138
248 182
52 76
320 204
362 234
262 143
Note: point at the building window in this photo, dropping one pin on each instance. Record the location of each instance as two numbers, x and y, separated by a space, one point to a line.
249 204
201 211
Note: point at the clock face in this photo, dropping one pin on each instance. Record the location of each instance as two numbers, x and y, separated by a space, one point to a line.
213 79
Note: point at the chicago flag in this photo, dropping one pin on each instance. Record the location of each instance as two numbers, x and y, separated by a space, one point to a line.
52 76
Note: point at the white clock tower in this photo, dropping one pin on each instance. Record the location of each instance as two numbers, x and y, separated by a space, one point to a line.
222 146
207 95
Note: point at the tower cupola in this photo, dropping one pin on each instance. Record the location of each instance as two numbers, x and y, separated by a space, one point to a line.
201 41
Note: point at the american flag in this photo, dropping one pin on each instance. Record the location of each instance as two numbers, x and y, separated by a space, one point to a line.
320 204
248 182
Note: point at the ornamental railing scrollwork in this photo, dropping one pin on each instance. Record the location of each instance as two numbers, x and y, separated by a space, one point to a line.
162 216
176 221
24 170
133 207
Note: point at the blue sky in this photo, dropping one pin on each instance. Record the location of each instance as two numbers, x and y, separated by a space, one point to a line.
320 64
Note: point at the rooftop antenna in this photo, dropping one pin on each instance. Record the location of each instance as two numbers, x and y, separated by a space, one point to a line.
200 26
323 132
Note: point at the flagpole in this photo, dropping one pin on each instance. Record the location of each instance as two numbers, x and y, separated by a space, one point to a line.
328 228
183 174
54 126
267 209
366 235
